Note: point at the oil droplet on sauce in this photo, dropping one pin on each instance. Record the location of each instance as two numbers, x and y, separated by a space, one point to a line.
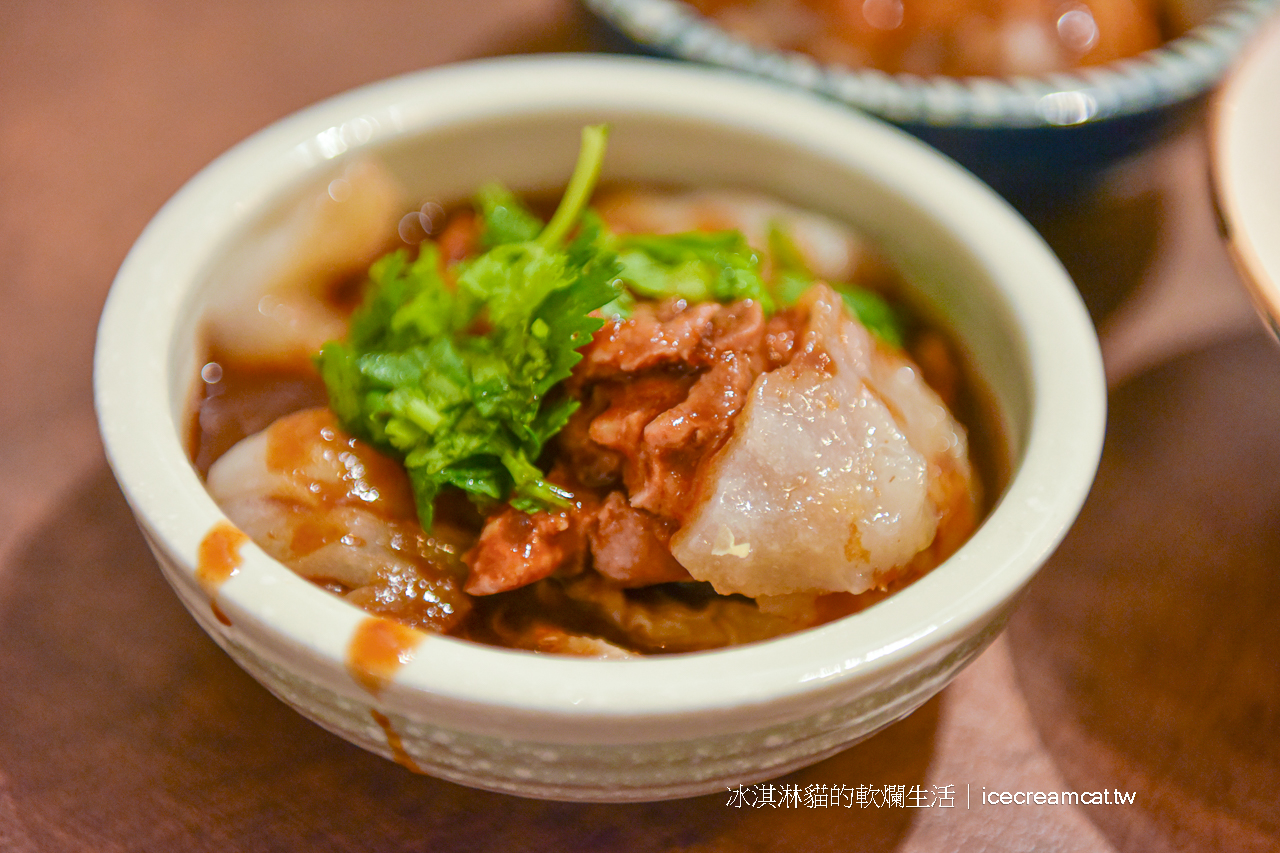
394 743
217 559
378 649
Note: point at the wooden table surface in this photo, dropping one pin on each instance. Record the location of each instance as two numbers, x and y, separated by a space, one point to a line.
1143 658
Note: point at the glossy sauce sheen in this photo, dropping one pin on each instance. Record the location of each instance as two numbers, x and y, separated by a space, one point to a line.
370 480
217 560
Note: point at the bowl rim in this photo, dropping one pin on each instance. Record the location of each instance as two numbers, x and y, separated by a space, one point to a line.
136 342
1176 71
1241 189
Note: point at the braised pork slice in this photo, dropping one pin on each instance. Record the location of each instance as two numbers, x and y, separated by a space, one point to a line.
659 394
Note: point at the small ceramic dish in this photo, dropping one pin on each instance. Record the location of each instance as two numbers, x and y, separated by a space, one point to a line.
578 729
1039 134
1245 127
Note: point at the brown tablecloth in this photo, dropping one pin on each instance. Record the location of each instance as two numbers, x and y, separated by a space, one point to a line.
1143 659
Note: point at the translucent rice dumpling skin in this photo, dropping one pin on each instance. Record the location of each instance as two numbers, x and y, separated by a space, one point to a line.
841 469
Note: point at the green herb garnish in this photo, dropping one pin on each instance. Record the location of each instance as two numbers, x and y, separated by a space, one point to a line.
792 278
454 381
505 217
697 266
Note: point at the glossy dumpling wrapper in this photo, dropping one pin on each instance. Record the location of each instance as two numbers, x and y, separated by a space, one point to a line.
341 514
843 467
275 305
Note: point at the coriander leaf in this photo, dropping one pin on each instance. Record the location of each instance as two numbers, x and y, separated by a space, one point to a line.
874 312
581 184
337 366
791 275
693 265
792 278
505 219
784 252
453 379
789 286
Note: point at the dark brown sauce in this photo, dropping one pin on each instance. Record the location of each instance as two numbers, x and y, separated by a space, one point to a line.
394 743
217 560
234 400
989 450
973 404
378 649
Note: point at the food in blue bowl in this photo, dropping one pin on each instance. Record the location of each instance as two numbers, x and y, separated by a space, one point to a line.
1034 98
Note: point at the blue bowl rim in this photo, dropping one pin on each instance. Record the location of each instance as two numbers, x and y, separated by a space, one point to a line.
1177 71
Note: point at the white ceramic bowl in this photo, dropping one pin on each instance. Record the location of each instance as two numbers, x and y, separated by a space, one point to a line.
1245 124
577 729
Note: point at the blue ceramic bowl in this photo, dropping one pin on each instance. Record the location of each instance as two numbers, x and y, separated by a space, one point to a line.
1026 136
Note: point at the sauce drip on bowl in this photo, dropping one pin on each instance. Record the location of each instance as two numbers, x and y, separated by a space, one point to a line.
217 560
394 742
379 648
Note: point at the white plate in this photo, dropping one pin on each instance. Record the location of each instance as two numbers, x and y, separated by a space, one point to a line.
1245 127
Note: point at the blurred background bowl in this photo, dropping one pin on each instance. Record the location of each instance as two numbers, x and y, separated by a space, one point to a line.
1029 137
1245 170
